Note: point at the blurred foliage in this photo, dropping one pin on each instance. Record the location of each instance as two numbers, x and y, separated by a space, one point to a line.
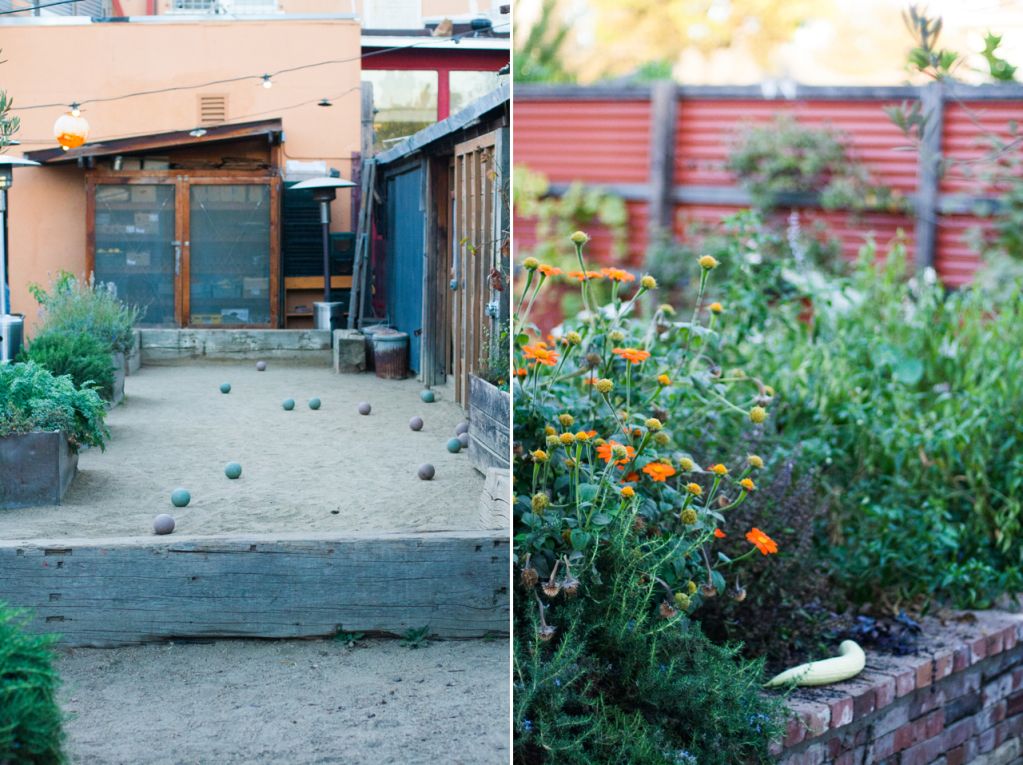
32 399
540 57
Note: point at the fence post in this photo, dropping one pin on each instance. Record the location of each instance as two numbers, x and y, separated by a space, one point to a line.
663 118
932 106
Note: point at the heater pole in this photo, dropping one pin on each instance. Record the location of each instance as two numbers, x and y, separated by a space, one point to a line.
325 222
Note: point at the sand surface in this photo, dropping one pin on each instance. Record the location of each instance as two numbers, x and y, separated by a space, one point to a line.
330 470
294 702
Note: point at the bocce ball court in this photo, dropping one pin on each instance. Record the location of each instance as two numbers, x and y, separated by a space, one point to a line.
328 525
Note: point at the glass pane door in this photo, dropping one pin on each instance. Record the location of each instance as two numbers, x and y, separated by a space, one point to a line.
134 236
229 260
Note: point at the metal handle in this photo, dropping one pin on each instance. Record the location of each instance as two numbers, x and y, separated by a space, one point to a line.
177 255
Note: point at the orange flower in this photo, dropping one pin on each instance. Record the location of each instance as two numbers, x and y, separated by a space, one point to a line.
663 380
628 492
631 477
604 452
635 355
747 484
764 543
719 534
549 270
541 353
580 276
521 371
658 471
718 469
619 275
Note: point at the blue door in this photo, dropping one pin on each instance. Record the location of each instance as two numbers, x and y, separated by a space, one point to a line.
405 231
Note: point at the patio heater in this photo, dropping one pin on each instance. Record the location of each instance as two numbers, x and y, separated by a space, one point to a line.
327 313
11 327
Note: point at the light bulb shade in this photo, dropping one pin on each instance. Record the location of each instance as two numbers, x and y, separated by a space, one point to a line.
70 131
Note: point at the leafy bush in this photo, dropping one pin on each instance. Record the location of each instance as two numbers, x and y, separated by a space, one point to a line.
75 307
784 157
619 525
30 718
32 399
905 396
83 357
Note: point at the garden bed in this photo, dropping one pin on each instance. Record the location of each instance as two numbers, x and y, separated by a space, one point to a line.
330 470
247 701
958 700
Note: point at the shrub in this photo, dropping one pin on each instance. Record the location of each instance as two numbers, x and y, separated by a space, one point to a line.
30 718
32 399
84 358
75 307
617 530
906 397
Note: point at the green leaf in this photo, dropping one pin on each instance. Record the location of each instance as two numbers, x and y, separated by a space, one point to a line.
909 371
580 539
587 492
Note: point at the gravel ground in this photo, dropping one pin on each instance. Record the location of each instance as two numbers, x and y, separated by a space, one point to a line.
330 470
294 702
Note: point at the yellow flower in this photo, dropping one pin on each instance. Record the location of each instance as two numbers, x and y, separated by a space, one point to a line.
574 338
718 469
755 461
539 455
567 439
686 464
662 438
553 442
583 436
648 282
566 419
530 264
579 237
708 262
695 489
654 424
628 492
667 309
619 452
769 391
691 587
747 484
682 601
550 430
663 380
616 336
540 502
716 308
603 385
688 516
757 414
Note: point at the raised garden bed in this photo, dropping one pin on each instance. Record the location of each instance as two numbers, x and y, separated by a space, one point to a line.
35 469
958 701
489 428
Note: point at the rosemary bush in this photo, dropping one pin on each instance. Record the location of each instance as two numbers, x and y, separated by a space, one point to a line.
84 358
30 718
78 307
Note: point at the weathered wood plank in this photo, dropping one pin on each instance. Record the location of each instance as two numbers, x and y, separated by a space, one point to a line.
495 502
122 591
663 119
489 431
167 346
929 174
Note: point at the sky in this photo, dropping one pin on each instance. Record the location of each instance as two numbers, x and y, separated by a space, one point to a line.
847 42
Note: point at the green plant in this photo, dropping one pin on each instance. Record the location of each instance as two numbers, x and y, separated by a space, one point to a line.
904 391
416 637
32 399
540 57
84 358
348 639
784 158
30 717
609 423
78 307
495 356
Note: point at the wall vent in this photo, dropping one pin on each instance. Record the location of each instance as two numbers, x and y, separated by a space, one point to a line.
212 109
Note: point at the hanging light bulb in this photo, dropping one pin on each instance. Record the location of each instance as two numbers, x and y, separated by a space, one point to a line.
71 129
267 82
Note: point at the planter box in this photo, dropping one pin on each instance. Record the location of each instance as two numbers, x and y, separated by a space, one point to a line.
133 361
489 425
35 469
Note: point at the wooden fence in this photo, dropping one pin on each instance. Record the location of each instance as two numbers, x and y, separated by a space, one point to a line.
664 147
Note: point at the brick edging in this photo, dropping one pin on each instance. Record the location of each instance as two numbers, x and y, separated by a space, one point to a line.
959 702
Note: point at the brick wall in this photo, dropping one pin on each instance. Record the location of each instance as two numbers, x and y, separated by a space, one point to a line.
959 702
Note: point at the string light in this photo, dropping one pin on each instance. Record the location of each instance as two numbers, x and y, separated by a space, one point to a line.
267 82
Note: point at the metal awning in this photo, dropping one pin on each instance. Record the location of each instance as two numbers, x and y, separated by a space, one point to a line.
273 129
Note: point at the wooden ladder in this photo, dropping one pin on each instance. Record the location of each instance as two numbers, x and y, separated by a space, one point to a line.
363 239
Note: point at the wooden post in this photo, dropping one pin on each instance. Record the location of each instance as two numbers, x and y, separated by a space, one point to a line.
663 118
929 175
367 137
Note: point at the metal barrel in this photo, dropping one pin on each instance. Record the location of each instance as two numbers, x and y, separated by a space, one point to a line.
12 336
390 355
370 332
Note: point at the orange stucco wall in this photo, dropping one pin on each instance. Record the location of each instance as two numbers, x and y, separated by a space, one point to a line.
61 64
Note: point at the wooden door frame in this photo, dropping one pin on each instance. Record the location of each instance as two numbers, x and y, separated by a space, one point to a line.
182 183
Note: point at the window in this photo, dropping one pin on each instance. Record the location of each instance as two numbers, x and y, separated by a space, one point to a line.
405 102
466 87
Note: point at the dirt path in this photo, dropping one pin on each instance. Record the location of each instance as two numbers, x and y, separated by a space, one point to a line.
294 702
303 470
